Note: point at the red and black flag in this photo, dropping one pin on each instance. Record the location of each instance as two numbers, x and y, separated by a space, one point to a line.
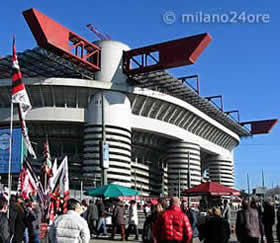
20 97
46 168
29 185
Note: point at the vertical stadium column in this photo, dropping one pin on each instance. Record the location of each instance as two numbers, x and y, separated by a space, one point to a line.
117 114
220 169
177 161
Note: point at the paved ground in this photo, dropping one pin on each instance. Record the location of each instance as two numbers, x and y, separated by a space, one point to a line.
131 240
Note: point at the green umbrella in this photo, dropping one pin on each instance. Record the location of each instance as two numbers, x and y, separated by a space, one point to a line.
111 190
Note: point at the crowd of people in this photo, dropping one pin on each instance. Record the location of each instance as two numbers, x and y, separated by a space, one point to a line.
168 222
20 220
171 221
255 221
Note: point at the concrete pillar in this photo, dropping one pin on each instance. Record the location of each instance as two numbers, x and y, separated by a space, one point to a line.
221 170
111 61
117 114
177 162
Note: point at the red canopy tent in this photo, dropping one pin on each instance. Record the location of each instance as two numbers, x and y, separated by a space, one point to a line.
211 189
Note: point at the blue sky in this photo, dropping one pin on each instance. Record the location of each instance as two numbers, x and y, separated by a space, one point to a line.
241 62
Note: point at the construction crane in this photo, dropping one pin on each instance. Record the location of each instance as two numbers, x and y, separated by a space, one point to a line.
101 36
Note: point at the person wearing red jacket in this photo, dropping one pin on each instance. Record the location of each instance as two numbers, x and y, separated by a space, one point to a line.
173 225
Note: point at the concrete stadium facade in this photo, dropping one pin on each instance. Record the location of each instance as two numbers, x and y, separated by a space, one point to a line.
154 138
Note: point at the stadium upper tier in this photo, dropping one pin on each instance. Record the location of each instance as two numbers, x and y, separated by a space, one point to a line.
39 62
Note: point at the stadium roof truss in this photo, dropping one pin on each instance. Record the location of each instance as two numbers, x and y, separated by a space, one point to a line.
63 53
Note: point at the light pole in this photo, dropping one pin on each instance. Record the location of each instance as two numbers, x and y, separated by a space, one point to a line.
248 184
179 184
104 150
135 184
94 181
81 191
162 181
189 177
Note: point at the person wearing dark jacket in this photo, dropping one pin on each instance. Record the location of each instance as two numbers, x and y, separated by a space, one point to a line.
260 211
92 216
217 229
147 234
4 222
33 216
101 217
278 224
118 220
268 220
20 222
12 214
192 216
248 225
240 226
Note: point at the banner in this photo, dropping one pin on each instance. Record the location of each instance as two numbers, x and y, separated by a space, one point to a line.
18 150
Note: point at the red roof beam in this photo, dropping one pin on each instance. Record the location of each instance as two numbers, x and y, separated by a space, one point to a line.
260 127
170 54
57 38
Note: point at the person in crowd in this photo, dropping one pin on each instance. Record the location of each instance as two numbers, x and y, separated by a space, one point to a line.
118 219
4 222
260 211
202 224
20 221
172 225
278 224
92 217
164 203
147 234
33 221
217 229
84 209
268 220
240 226
132 220
227 211
192 216
248 226
145 210
12 214
70 227
101 217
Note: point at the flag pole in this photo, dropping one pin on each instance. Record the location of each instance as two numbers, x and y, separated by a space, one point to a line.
10 152
46 155
11 137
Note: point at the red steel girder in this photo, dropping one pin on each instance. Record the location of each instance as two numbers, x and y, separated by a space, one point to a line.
55 37
171 54
260 127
